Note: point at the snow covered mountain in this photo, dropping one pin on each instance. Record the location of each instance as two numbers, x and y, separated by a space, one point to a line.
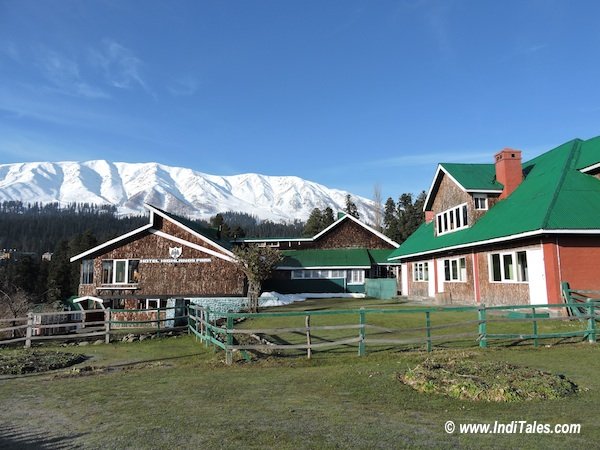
179 190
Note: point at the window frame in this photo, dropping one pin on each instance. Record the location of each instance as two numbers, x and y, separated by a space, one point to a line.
355 276
477 198
453 219
317 274
111 266
421 272
455 270
520 273
87 272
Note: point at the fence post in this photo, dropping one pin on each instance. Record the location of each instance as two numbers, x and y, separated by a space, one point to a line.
591 328
482 327
229 340
428 329
107 326
308 349
208 328
187 313
202 325
362 320
198 325
535 329
29 331
158 321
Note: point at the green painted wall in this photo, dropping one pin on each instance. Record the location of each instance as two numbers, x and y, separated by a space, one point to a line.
309 286
384 288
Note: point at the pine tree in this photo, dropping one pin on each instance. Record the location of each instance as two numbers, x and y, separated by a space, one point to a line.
351 208
390 220
314 223
410 214
60 274
327 218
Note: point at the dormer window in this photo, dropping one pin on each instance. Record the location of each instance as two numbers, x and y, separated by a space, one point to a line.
452 219
481 201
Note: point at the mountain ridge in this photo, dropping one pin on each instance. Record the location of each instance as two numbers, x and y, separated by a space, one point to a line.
179 190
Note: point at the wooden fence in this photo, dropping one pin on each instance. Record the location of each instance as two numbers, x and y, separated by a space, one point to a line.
73 325
474 331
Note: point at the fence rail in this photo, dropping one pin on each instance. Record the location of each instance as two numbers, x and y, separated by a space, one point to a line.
481 325
72 325
476 330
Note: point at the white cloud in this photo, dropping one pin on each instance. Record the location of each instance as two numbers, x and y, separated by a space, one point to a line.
186 85
64 75
121 68
426 159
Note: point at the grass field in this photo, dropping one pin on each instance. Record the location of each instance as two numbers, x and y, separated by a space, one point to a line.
175 392
462 325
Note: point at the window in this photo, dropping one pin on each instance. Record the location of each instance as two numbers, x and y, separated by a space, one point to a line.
455 269
87 271
509 267
152 303
355 276
480 201
453 219
421 271
317 274
120 271
107 271
522 266
133 275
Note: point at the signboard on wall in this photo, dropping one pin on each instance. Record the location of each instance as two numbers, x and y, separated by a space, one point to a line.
174 261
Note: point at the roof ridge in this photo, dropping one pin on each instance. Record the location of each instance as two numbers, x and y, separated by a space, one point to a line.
576 146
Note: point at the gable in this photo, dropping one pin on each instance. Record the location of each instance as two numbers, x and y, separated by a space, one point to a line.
448 195
176 229
350 234
469 178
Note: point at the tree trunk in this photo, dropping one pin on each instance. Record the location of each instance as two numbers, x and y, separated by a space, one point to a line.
253 293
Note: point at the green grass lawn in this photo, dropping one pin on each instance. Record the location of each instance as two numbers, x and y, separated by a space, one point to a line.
180 394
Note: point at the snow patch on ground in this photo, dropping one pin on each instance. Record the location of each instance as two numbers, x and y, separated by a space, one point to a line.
277 299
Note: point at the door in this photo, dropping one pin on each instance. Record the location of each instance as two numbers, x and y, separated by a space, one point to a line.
440 274
538 294
404 279
432 280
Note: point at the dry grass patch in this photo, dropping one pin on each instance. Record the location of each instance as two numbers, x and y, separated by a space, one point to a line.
18 362
462 377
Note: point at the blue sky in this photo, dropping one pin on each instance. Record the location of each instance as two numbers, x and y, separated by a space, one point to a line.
346 93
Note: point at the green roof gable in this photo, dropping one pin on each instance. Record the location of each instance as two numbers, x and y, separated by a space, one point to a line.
347 257
476 177
342 258
554 195
379 255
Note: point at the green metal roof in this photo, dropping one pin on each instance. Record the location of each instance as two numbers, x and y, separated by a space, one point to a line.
343 257
590 153
380 255
554 195
474 176
350 257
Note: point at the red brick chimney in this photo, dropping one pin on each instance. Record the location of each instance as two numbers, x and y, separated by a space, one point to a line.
508 170
429 215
